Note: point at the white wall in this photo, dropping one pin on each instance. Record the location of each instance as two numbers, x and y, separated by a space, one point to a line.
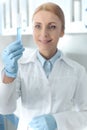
75 47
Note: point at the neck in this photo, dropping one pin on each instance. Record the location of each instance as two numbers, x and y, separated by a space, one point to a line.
47 55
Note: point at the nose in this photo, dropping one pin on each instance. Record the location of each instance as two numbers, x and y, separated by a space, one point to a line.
44 32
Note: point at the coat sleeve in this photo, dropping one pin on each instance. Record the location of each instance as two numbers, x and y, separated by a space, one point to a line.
8 96
77 118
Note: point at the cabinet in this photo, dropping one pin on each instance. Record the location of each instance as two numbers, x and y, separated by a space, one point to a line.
14 12
78 21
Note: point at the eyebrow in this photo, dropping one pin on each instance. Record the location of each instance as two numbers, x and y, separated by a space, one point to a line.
37 23
48 23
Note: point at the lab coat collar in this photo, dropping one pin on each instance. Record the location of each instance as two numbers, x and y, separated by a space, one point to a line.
52 59
32 57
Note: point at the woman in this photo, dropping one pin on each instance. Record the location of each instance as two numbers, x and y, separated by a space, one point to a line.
53 88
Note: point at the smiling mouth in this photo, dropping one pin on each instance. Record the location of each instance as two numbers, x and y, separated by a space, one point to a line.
45 41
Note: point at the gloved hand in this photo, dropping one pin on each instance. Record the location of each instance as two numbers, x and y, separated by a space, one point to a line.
43 122
10 57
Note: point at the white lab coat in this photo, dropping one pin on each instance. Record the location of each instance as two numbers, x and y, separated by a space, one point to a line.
63 94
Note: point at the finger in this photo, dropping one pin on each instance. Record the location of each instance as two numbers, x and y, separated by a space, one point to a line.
34 125
14 48
15 43
16 58
15 53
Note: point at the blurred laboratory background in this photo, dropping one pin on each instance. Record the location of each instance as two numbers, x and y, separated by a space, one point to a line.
18 13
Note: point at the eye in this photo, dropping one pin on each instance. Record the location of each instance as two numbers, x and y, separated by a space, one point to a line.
51 27
37 26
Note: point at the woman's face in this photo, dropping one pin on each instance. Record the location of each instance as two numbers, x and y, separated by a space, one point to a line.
47 29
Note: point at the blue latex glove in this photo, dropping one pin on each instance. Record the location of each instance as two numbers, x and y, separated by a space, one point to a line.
10 57
43 122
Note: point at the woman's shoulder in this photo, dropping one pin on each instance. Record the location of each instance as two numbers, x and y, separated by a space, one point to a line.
73 63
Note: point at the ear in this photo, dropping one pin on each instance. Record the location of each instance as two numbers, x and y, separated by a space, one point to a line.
62 34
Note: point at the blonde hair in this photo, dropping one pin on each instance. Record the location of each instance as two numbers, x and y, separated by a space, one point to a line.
54 8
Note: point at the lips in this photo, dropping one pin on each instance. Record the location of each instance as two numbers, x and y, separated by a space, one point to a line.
45 41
